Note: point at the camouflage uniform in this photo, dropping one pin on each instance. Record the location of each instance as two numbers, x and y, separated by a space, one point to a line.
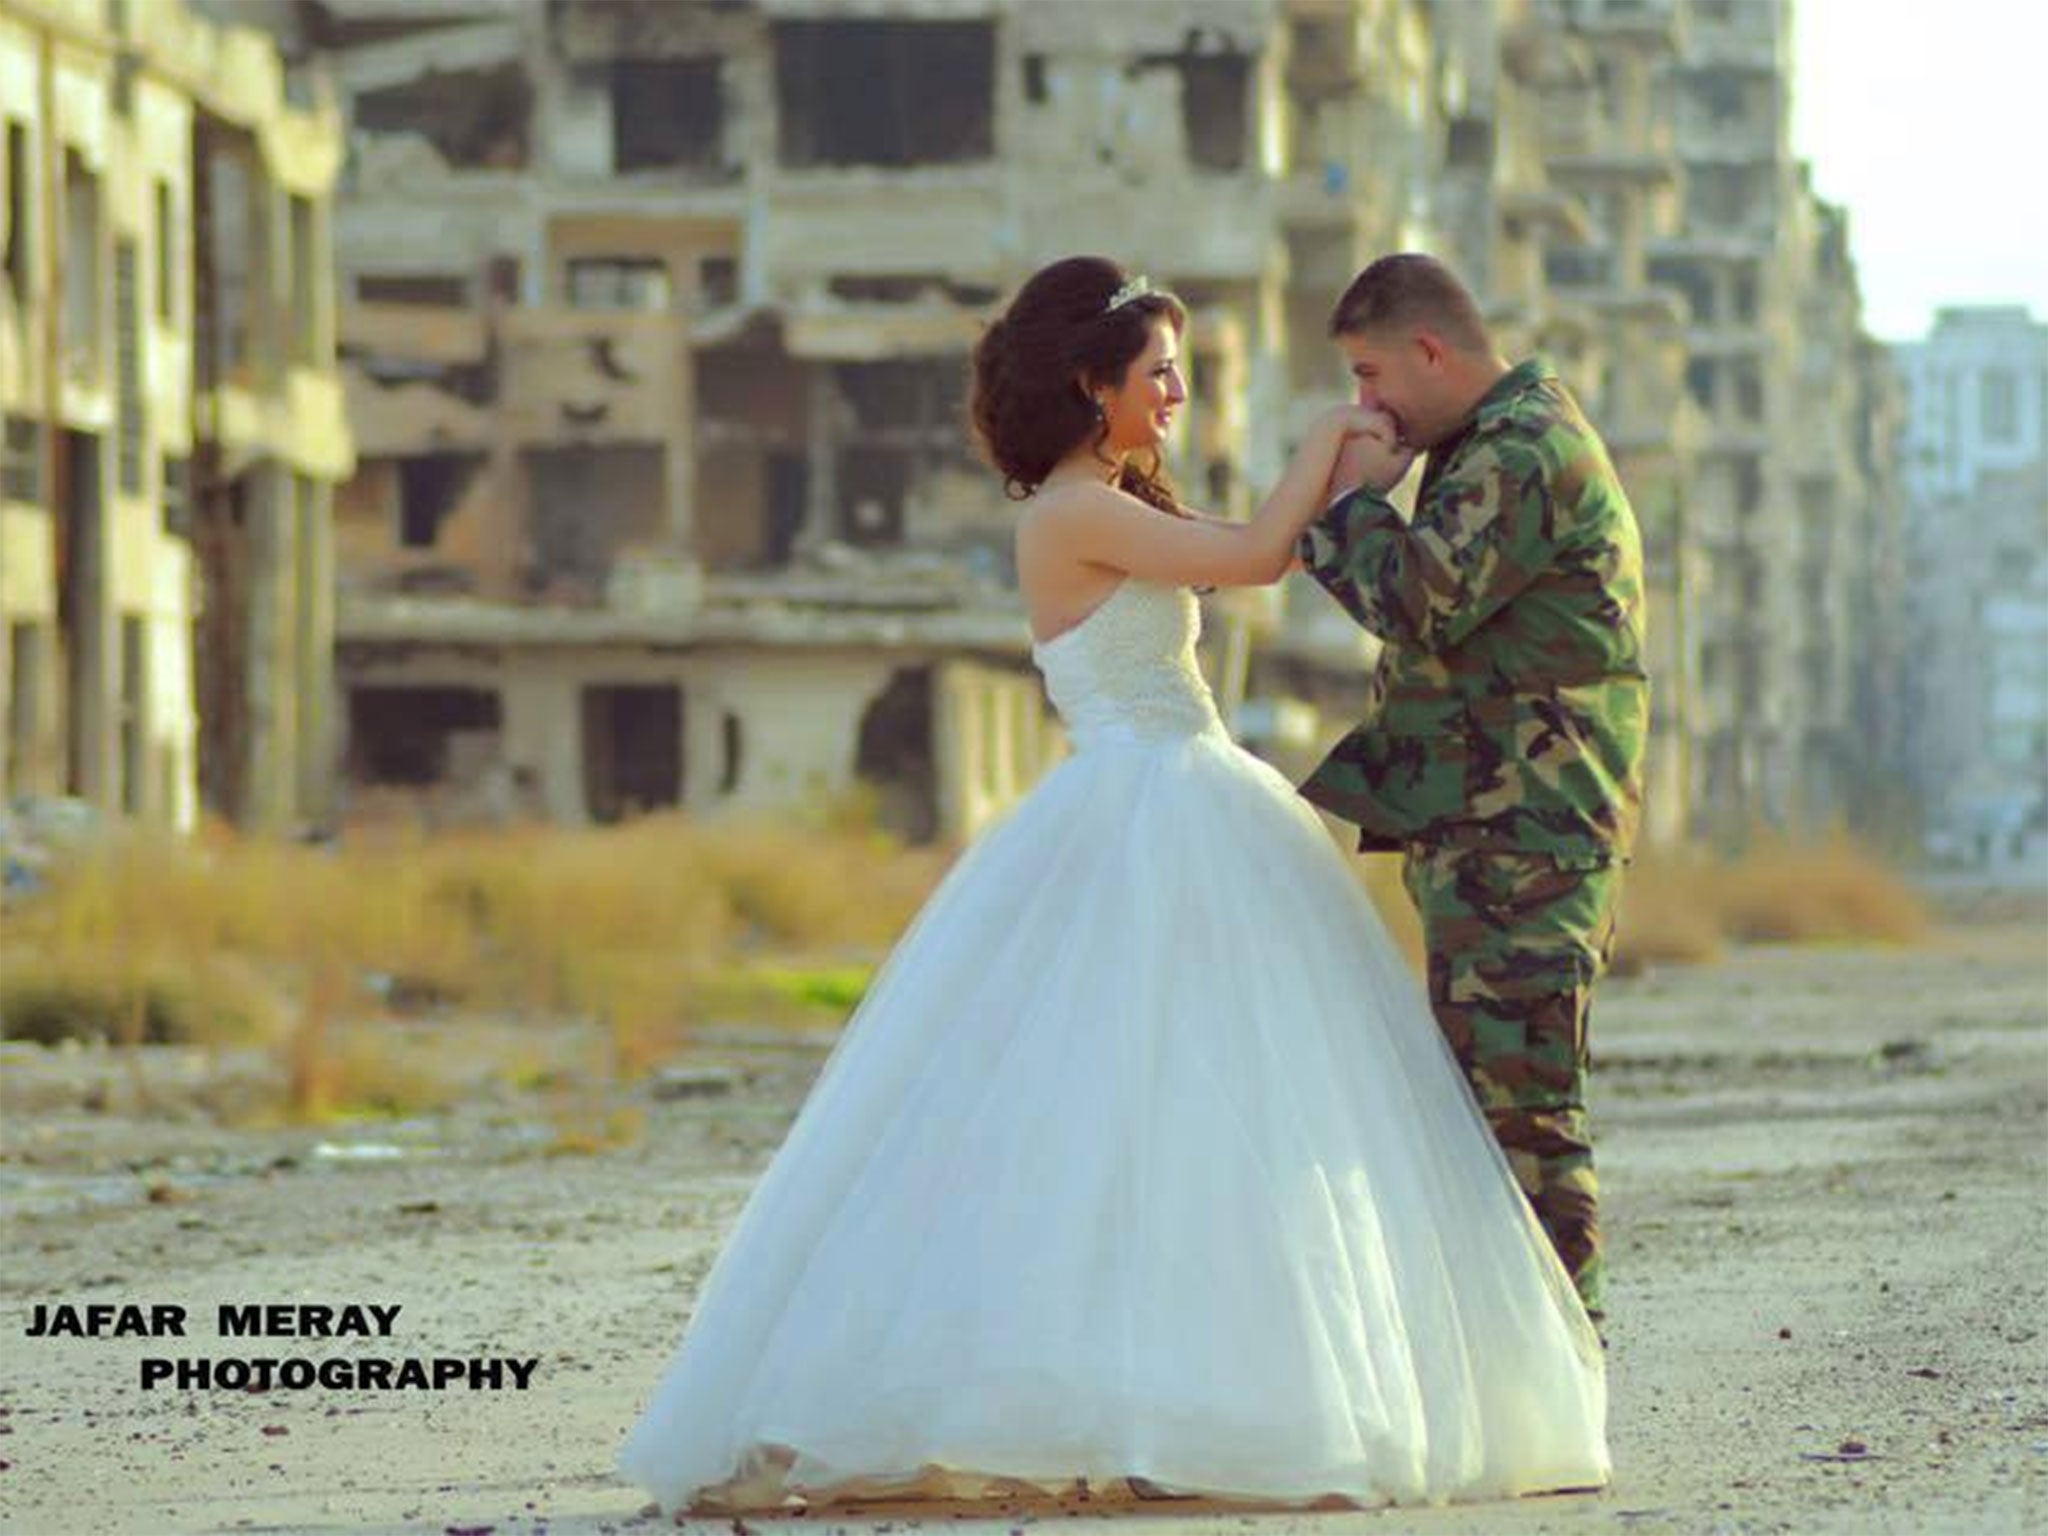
1502 754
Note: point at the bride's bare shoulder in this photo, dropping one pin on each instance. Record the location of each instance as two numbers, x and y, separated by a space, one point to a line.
1050 506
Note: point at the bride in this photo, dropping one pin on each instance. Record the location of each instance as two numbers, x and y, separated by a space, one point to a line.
1142 1165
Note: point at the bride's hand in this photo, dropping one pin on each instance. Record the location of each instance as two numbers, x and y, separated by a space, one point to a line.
1371 454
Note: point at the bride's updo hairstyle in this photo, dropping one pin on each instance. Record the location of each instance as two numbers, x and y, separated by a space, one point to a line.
1076 324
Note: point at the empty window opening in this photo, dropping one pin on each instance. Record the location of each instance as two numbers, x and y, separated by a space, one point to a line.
415 736
479 119
667 113
1215 105
429 489
886 93
632 749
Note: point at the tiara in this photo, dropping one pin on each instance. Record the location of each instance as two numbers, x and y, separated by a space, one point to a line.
1136 288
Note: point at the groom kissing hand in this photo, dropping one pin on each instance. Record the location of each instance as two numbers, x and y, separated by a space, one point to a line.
1506 719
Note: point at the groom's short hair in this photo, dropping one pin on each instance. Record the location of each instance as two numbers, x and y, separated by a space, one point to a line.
1409 288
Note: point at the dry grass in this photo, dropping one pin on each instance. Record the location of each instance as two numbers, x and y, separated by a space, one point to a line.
221 939
640 930
1684 906
1784 892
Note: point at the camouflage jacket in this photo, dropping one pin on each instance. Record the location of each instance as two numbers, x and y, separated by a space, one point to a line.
1510 703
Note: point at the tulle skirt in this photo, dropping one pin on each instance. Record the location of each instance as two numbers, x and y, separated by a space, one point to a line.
1142 1157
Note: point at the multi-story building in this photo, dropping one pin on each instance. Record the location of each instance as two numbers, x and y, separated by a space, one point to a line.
1736 257
1607 134
172 415
655 329
655 325
1976 458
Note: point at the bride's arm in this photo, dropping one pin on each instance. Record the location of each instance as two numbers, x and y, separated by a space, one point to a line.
1098 525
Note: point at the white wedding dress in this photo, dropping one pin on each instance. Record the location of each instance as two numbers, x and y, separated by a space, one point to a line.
1142 1156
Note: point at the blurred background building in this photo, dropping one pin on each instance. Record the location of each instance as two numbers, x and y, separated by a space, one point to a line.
1976 471
652 322
173 417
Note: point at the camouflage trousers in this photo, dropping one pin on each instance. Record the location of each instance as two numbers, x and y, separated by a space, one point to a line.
1516 942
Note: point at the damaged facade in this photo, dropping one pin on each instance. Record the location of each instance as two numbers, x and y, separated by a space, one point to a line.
655 319
1794 499
173 417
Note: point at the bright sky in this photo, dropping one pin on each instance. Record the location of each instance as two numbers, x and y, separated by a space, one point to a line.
1928 121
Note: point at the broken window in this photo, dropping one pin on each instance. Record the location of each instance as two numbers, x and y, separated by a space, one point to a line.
667 112
1689 280
409 736
1469 146
895 756
908 414
873 486
718 281
1717 195
632 749
477 119
134 713
436 290
1749 483
1745 296
587 503
732 761
130 402
429 488
25 640
1722 95
1215 105
908 288
789 490
80 264
1583 266
21 460
1699 380
177 497
233 263
14 256
501 278
1749 394
618 282
887 93
925 395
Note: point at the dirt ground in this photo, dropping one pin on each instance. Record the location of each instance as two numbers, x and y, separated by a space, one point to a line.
1825 1192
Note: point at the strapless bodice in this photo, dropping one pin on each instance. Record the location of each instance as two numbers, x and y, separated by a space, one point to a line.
1127 672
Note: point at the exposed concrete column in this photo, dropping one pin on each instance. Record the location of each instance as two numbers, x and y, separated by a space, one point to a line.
269 646
318 739
955 752
44 768
93 641
705 708
541 728
821 436
679 465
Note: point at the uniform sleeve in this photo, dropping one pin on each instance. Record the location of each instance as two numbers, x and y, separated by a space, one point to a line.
1484 531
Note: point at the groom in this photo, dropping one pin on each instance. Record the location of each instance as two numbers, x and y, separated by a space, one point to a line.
1504 738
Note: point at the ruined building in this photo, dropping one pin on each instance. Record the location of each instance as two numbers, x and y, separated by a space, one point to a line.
1793 499
654 321
172 415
